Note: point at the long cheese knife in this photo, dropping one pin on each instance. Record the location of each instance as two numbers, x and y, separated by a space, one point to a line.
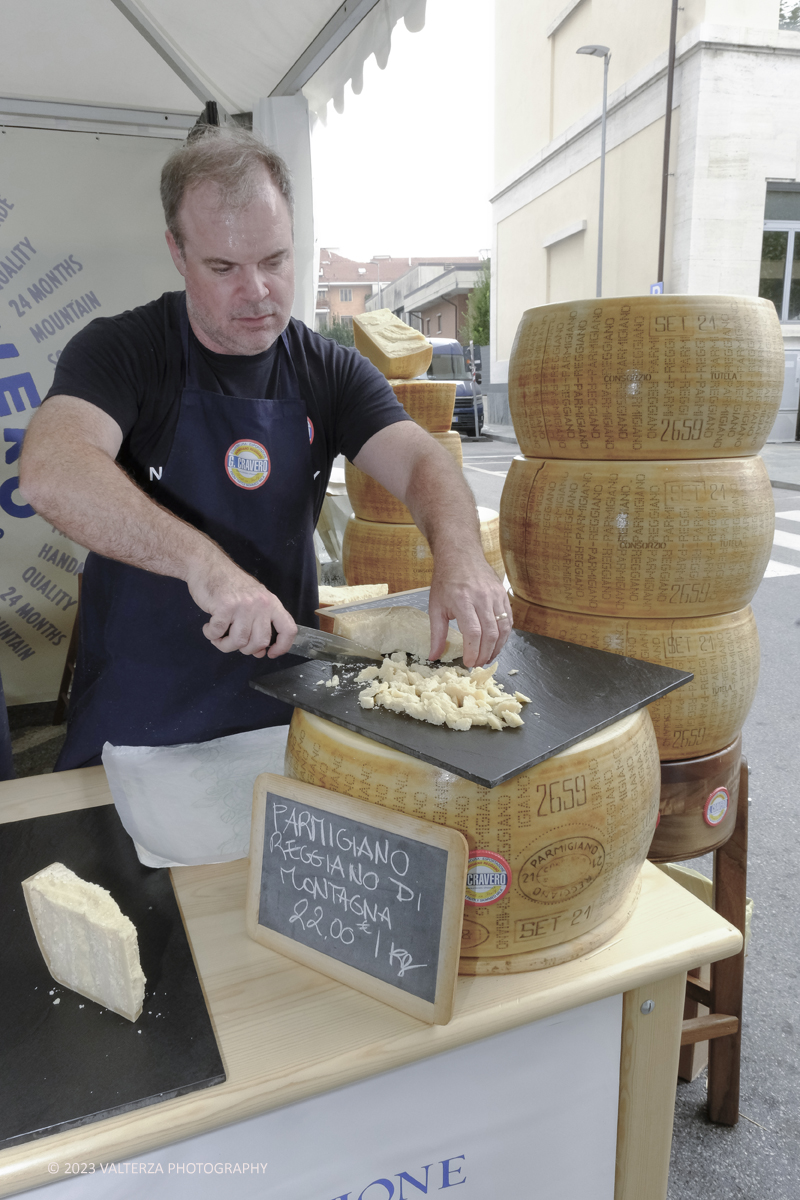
313 643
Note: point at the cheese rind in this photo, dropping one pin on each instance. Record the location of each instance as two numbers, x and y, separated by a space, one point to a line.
85 940
397 350
399 628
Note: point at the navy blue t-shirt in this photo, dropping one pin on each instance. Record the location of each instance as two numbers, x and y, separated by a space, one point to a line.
131 367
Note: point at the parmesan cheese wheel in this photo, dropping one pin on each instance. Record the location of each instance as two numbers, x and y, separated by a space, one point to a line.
722 652
429 402
372 502
631 539
698 805
646 377
397 350
400 554
573 831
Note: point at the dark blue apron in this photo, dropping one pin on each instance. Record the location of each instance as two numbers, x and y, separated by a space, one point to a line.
240 471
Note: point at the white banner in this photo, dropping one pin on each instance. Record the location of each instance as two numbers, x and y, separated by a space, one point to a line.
81 235
526 1115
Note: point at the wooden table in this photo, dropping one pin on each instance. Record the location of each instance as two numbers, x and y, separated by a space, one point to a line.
323 1036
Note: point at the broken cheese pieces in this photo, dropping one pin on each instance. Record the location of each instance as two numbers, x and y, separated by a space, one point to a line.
449 696
397 350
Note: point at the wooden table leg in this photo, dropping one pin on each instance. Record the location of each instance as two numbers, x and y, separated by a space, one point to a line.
727 977
648 1072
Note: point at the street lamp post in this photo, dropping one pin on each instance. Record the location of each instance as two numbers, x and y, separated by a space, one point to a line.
604 53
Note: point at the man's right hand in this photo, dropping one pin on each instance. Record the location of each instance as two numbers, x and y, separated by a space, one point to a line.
243 613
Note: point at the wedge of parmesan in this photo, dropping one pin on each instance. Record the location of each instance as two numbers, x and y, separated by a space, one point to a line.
401 628
352 595
397 350
86 942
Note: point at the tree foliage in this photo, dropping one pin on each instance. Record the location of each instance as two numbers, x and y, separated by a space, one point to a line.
476 326
790 15
339 331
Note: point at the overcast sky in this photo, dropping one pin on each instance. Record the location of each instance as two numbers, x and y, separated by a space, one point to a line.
407 167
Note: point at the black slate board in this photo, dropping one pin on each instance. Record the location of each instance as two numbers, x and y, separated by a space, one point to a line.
575 691
325 926
74 1062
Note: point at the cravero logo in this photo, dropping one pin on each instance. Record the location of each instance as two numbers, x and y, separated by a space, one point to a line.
434 1177
247 464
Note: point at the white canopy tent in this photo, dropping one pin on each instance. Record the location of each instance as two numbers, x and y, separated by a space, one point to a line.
92 92
125 66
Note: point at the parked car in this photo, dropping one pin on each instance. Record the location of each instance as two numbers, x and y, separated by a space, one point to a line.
448 362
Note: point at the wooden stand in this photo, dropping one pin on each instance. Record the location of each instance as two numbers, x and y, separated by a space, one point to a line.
721 1027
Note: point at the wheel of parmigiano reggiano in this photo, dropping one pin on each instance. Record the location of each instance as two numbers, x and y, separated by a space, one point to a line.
637 539
574 830
372 502
430 402
698 804
400 555
646 377
722 652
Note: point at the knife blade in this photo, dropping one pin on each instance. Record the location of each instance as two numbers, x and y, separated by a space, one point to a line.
313 643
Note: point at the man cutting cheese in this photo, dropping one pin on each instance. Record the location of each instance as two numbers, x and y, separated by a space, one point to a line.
188 444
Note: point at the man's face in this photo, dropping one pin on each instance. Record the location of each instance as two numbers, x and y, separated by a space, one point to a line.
238 266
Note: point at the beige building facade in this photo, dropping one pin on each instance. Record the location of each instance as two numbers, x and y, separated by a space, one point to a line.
735 134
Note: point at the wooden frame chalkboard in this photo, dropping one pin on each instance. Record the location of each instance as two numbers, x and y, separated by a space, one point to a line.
370 897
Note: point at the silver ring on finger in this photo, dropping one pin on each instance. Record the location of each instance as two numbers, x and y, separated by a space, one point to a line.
500 616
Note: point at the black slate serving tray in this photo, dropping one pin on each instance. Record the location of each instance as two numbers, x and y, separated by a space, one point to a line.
70 1063
575 691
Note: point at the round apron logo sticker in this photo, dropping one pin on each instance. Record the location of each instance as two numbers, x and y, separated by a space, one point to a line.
247 464
310 430
488 878
716 806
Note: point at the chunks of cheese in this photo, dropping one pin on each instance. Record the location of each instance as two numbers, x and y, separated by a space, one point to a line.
449 696
400 628
352 595
87 943
397 350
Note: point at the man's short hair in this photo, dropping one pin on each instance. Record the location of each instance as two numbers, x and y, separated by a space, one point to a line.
229 156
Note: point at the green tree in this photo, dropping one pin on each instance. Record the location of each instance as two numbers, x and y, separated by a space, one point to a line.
476 326
789 15
339 331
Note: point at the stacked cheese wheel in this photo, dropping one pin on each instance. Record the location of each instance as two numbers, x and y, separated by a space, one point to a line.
381 540
561 844
638 518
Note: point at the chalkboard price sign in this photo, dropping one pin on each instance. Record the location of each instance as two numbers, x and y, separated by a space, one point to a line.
370 897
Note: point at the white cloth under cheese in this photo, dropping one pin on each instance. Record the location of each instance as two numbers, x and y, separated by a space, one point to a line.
86 941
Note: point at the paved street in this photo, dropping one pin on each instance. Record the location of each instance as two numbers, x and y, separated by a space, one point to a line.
758 1158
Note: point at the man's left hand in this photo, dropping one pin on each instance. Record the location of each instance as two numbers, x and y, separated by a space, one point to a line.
467 589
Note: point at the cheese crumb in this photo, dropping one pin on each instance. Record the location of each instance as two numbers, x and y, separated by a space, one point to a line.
334 682
514 672
451 696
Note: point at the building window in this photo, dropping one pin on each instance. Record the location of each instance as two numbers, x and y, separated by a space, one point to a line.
345 293
348 321
439 319
427 324
780 251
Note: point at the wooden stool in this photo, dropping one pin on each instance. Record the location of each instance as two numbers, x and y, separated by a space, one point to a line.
720 989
